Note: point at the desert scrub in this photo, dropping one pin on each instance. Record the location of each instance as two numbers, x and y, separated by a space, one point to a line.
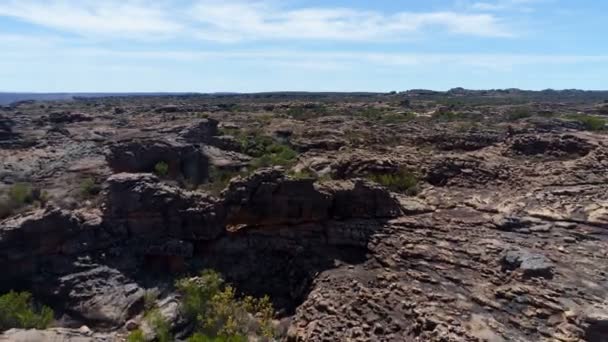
89 188
590 122
161 169
17 310
221 316
401 181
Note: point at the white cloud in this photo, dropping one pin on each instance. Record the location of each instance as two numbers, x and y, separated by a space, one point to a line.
85 17
236 20
504 5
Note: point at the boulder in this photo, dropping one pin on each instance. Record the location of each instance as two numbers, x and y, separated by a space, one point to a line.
531 264
142 206
201 131
102 295
143 155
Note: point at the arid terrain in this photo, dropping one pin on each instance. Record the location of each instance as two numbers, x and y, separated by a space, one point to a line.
412 216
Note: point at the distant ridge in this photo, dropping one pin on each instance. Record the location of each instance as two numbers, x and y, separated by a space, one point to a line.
8 98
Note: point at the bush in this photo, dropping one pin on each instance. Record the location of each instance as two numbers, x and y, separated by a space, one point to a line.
88 187
17 310
21 193
219 315
161 328
161 169
402 181
18 196
136 336
275 155
591 123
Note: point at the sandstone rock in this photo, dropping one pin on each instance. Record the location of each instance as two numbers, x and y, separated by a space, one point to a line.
531 264
102 295
143 207
143 155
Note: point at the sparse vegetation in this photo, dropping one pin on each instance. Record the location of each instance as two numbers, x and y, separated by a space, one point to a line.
89 188
402 181
161 169
445 116
219 314
307 111
17 310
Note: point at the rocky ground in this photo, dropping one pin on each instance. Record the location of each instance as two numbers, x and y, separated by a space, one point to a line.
365 217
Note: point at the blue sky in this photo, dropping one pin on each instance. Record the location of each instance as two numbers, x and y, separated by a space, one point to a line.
331 45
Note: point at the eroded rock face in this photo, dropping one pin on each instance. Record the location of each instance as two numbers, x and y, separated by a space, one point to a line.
268 198
202 131
143 155
141 206
26 241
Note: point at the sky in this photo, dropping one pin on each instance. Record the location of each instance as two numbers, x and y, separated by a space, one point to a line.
296 45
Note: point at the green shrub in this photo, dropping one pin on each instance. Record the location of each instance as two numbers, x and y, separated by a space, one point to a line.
17 310
88 187
402 181
198 337
159 325
591 123
21 193
136 336
161 169
219 314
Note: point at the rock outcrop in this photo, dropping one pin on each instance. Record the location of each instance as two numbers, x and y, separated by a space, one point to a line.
143 155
